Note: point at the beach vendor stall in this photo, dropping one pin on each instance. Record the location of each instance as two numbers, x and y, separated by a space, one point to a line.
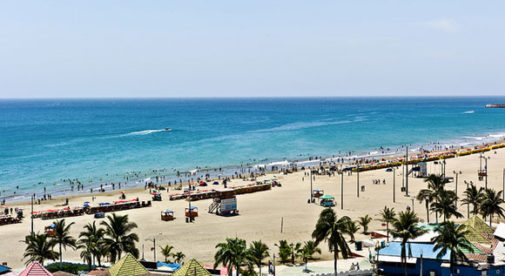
194 212
317 193
167 215
326 201
50 231
156 196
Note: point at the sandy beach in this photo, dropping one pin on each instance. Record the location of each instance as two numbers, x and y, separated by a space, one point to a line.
260 213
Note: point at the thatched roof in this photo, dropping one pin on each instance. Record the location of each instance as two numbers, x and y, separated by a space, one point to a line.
192 268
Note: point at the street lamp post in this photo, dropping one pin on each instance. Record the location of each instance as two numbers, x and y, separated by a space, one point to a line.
468 205
456 191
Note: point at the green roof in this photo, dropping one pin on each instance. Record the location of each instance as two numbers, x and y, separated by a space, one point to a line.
479 225
128 266
477 229
192 268
475 250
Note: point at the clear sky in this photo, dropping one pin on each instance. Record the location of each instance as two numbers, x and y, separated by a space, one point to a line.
251 48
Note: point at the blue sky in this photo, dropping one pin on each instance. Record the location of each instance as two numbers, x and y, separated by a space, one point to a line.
251 48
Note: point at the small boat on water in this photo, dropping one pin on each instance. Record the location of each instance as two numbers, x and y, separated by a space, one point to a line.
168 129
495 105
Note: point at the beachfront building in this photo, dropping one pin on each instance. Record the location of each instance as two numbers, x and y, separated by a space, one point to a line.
35 269
487 256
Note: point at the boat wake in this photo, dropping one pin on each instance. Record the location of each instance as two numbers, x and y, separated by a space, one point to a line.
146 132
469 112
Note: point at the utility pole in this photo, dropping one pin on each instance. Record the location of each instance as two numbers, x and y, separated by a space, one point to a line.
468 205
342 189
33 196
189 201
456 191
311 191
480 161
503 188
394 188
407 171
486 170
154 244
357 179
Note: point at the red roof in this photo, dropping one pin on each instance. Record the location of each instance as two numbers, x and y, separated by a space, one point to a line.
35 269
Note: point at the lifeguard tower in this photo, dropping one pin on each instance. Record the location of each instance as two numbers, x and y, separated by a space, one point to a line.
224 203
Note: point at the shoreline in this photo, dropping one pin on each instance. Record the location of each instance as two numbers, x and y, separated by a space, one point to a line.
234 170
269 169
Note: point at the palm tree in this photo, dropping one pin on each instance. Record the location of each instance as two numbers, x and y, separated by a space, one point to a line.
491 204
257 252
451 239
231 253
309 249
284 250
118 238
426 195
332 230
294 251
353 228
62 237
167 252
90 241
405 227
436 183
445 204
388 216
473 197
364 221
178 257
39 248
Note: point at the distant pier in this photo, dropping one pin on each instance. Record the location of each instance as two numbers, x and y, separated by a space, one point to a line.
495 105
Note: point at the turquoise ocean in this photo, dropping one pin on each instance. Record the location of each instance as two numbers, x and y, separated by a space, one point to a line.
43 142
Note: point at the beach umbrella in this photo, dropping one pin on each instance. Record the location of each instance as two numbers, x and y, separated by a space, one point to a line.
326 197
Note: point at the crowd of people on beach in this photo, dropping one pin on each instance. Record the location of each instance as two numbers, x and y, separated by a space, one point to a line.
176 177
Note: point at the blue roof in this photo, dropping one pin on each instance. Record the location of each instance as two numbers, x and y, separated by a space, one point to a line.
4 269
173 266
413 250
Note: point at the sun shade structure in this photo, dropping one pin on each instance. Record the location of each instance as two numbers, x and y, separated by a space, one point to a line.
192 268
326 197
128 266
35 269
